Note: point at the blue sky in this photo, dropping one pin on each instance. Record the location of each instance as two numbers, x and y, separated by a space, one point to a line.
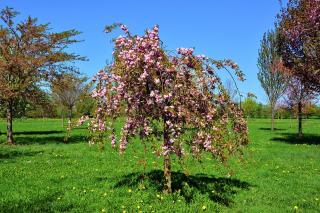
219 29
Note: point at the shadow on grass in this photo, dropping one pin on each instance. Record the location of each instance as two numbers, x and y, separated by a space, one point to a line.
10 154
291 138
269 129
219 190
44 203
35 132
59 139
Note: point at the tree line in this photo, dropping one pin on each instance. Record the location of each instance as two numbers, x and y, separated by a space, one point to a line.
253 109
288 61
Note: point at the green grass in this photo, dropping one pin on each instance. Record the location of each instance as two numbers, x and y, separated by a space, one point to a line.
279 173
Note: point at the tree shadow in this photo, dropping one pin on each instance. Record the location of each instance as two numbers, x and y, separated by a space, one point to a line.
220 190
269 129
10 154
42 140
41 204
34 132
292 138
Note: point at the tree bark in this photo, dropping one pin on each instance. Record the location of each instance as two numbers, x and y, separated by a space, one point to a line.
167 174
300 119
272 117
167 162
9 122
69 117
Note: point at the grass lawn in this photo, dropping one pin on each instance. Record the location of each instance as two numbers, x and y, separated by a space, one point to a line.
278 173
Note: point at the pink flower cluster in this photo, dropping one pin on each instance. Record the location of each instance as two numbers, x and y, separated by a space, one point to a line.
185 51
82 120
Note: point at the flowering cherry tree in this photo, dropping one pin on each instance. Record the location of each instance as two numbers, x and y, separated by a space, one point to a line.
167 97
299 40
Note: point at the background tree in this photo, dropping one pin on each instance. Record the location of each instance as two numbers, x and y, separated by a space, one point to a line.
30 54
298 95
177 100
299 40
67 90
310 109
37 105
86 104
250 107
269 63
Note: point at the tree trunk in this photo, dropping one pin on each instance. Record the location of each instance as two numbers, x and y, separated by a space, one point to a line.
9 122
300 119
167 162
69 117
167 174
272 117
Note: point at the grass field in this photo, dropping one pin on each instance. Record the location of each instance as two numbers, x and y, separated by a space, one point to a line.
278 173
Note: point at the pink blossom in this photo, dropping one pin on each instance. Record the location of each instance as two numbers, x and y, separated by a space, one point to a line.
185 51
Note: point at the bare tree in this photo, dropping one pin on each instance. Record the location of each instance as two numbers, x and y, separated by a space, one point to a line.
269 63
67 90
231 90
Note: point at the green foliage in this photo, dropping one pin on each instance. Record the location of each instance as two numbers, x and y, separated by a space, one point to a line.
86 105
43 174
39 106
250 107
253 109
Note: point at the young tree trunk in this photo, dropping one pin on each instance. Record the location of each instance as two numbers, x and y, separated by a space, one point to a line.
167 174
300 119
167 163
272 117
9 122
69 117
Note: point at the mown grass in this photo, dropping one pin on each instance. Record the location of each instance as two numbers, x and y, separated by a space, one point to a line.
279 173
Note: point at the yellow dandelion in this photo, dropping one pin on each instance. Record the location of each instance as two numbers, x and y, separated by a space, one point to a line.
204 207
130 190
103 210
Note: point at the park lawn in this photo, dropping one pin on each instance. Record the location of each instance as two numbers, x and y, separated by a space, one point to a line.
278 173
